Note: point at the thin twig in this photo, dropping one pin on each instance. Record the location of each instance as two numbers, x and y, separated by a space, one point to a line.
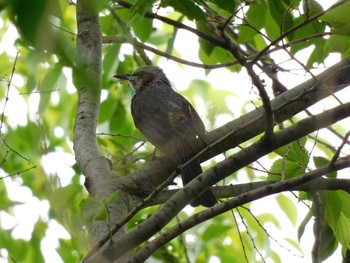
134 42
336 155
250 236
121 135
240 237
18 172
13 150
267 233
7 92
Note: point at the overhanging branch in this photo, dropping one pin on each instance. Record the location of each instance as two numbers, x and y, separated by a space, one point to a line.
217 173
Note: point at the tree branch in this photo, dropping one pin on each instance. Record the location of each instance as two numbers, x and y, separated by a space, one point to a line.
133 41
239 200
154 173
237 189
249 125
203 35
95 167
159 219
284 106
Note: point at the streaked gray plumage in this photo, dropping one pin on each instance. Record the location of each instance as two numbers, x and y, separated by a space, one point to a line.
168 121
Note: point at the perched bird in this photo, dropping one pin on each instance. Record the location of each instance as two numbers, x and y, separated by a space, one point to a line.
168 121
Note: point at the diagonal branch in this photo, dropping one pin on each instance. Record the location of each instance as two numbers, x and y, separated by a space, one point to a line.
159 219
285 106
239 200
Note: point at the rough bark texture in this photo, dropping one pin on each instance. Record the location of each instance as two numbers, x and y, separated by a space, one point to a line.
96 168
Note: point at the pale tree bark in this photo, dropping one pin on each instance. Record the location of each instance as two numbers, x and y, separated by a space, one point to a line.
96 168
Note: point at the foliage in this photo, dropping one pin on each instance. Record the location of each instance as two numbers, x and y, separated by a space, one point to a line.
38 101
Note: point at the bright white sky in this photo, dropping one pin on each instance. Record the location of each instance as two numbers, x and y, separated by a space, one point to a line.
58 163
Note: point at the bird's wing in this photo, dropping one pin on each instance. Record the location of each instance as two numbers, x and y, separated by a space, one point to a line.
153 121
194 118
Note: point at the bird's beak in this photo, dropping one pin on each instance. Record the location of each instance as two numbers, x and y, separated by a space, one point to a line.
122 76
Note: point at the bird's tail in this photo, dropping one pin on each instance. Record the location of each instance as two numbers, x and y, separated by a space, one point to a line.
185 150
207 198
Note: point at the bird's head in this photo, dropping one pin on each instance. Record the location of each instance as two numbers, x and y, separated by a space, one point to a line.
144 76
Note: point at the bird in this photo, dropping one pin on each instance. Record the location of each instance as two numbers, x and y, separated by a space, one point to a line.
168 121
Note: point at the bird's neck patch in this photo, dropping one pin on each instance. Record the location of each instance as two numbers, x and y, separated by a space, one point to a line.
146 79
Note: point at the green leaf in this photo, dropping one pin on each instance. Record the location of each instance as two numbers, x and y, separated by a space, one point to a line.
142 27
311 7
110 199
108 25
28 16
35 254
93 209
337 43
214 231
338 17
333 206
288 207
206 48
106 109
171 41
295 152
314 27
295 3
273 27
302 226
246 33
47 87
256 15
321 161
121 121
31 19
228 5
270 218
5 65
318 55
289 168
66 252
342 232
338 214
294 244
276 258
109 64
256 19
62 198
280 15
186 7
328 242
141 7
